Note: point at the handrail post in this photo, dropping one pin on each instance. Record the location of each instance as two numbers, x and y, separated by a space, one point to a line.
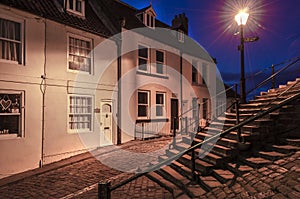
143 130
273 77
104 190
174 131
186 125
238 120
194 176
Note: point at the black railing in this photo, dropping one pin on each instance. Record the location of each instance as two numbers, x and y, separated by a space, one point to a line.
104 188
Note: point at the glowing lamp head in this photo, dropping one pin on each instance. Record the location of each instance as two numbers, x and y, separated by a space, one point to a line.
242 17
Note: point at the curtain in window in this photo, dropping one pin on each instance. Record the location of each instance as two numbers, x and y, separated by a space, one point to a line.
9 40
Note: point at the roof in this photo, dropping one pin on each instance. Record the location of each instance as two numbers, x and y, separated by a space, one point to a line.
54 10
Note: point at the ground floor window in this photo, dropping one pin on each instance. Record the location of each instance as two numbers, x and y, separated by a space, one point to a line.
143 104
80 113
11 112
160 104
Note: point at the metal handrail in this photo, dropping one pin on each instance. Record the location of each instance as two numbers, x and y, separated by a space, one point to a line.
221 134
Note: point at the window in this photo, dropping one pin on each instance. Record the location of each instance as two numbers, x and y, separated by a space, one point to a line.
160 104
180 35
195 107
204 108
143 104
80 113
149 20
10 41
204 74
11 112
194 73
143 58
159 62
80 54
76 6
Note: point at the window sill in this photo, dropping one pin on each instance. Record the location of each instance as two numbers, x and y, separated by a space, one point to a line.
6 61
9 136
79 131
152 120
152 75
79 72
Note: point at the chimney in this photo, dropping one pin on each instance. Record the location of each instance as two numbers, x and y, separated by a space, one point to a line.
180 22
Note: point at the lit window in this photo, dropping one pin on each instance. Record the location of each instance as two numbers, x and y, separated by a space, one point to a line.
80 54
160 104
10 41
143 58
76 6
143 104
11 112
194 73
159 62
80 113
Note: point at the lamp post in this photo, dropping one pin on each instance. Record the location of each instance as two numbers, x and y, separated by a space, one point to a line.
241 19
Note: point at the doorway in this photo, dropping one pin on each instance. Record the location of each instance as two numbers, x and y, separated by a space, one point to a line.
174 114
106 137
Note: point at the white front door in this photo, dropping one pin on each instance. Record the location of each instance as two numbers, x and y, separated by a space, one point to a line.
106 123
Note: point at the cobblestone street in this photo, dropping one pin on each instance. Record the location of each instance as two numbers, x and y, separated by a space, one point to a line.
280 179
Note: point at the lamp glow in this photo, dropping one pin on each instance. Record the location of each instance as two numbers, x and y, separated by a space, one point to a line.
242 17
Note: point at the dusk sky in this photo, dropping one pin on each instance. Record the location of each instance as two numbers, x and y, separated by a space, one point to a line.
212 25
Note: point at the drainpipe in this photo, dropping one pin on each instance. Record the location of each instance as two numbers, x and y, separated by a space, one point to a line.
119 63
43 91
181 97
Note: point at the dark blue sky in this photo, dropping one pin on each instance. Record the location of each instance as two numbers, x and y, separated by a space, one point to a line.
212 25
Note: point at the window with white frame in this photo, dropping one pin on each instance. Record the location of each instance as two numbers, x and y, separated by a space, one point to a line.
80 113
149 20
160 104
11 112
195 107
160 62
75 6
143 61
10 41
80 56
143 104
180 36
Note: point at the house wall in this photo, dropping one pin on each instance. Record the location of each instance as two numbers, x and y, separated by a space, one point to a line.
21 153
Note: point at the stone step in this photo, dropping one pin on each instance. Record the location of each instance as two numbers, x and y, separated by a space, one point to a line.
271 155
176 178
223 175
209 157
291 141
241 168
284 148
256 162
202 166
172 188
209 182
229 143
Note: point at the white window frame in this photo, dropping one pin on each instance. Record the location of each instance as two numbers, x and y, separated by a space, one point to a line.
21 42
17 112
91 72
74 11
163 105
147 105
180 36
81 114
162 63
151 23
147 60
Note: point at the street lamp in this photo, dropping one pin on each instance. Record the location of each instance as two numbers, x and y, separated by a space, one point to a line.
241 19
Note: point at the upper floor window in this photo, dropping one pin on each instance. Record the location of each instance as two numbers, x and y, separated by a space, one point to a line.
143 58
10 41
180 36
76 6
150 20
80 58
194 73
160 62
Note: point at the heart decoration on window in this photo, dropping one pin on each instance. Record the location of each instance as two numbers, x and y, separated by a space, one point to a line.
5 104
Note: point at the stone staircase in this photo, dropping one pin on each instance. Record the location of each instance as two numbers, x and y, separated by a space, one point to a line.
272 137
